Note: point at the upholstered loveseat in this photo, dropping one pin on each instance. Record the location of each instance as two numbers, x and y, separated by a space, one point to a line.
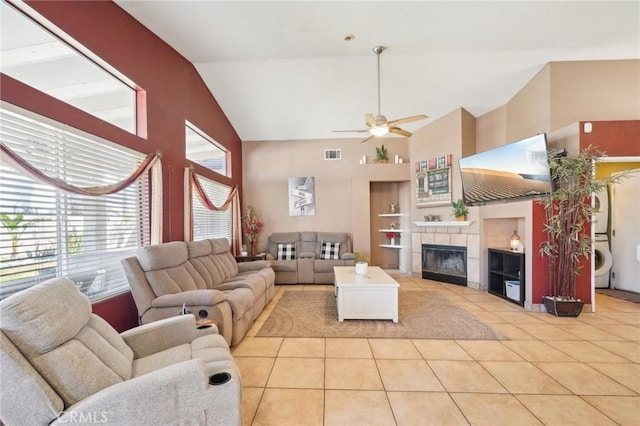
61 364
308 257
204 277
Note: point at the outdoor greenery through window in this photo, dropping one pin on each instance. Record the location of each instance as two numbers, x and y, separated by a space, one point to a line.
207 223
45 232
36 57
203 150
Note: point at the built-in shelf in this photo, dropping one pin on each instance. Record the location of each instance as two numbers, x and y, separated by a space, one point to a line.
391 230
391 246
391 214
444 223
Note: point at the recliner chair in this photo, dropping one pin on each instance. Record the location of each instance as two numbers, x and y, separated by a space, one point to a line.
60 363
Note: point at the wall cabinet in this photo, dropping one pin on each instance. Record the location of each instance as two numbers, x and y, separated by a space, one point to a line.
507 275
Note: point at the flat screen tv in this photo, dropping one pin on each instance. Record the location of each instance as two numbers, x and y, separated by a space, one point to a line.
512 172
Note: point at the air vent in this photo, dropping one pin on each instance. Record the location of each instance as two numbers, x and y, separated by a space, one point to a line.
333 154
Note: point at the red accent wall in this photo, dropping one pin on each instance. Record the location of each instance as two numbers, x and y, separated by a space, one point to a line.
174 92
119 311
616 139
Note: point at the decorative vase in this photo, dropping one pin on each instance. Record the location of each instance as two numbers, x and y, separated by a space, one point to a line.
563 308
461 218
361 268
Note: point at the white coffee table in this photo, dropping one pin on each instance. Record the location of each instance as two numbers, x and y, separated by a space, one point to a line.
371 296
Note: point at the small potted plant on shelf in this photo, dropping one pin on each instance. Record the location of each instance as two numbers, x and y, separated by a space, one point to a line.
381 154
568 213
460 210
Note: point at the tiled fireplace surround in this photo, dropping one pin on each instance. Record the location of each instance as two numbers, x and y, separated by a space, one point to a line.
490 226
461 236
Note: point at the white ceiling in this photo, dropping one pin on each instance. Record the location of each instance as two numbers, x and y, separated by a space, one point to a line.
281 70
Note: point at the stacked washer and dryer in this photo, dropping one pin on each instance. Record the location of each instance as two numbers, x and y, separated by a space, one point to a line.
603 259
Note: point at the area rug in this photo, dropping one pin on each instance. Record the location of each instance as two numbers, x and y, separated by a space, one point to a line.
422 315
620 294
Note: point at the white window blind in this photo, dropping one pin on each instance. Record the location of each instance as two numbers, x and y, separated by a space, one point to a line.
45 232
208 223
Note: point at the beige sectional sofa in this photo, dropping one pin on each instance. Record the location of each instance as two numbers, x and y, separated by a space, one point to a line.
205 277
61 364
308 257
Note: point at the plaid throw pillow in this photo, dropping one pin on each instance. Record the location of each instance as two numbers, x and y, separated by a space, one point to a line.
286 251
330 251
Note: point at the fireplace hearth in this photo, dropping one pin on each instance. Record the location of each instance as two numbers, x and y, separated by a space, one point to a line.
444 263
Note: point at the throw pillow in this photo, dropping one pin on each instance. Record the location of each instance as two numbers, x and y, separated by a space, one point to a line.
286 251
330 251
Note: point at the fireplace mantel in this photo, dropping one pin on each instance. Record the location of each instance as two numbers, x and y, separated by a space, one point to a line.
444 223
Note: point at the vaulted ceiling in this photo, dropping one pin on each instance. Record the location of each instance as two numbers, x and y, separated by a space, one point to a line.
282 70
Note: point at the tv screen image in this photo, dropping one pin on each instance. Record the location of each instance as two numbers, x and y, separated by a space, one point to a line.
511 172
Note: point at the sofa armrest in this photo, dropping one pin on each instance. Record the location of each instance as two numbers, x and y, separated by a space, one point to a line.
254 265
348 256
270 256
159 335
165 396
307 255
190 298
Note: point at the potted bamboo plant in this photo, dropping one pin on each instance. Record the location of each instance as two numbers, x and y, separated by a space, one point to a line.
568 214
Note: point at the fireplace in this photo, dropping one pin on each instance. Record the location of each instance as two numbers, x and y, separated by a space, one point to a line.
444 263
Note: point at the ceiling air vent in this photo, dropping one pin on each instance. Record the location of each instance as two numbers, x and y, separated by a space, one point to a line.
333 154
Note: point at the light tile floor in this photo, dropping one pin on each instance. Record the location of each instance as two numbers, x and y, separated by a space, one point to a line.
554 371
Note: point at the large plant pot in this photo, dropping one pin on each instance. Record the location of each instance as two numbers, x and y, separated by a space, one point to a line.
562 308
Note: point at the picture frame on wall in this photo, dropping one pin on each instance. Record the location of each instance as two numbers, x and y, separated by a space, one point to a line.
302 196
433 182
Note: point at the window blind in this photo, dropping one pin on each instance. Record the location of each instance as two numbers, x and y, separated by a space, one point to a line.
207 223
47 233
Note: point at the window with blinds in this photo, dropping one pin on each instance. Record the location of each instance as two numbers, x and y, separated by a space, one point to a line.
207 223
45 232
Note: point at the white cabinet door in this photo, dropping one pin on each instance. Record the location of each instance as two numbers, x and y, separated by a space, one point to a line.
625 240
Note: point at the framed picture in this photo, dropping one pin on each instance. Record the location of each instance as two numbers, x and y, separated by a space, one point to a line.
433 182
302 196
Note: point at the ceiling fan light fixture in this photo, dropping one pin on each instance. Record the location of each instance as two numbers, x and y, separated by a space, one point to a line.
379 130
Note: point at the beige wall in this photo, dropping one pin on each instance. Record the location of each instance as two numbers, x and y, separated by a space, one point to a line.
491 129
528 111
341 186
594 90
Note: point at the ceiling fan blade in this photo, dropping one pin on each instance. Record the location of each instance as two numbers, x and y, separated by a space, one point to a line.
364 140
393 123
371 122
399 131
351 131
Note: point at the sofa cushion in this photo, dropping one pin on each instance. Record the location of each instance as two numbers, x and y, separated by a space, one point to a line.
329 250
175 279
281 237
53 326
286 251
284 265
199 248
160 256
334 237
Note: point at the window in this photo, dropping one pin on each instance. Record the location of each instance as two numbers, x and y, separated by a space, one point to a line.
207 223
33 55
45 232
203 150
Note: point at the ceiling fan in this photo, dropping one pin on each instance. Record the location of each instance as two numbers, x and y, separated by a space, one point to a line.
378 125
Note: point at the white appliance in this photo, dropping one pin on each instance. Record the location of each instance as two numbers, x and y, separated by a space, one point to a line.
601 217
603 261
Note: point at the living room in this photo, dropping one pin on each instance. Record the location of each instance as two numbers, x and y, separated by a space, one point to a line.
558 100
